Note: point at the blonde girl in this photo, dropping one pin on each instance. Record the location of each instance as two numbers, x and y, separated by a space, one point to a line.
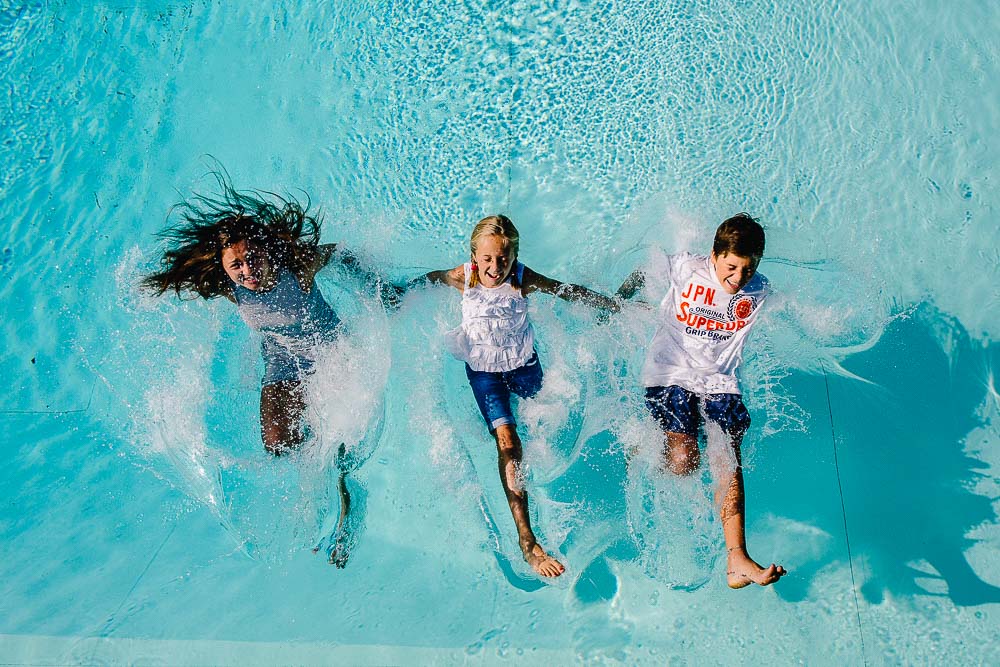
497 343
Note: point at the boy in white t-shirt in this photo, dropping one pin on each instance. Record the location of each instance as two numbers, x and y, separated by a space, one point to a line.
711 304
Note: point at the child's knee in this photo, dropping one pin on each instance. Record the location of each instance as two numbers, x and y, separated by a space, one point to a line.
682 462
279 439
276 446
683 457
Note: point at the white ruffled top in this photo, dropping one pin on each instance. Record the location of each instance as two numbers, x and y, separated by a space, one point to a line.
496 335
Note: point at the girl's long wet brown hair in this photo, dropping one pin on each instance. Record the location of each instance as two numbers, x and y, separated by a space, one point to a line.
192 261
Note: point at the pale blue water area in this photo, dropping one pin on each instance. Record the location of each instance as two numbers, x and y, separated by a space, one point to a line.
142 521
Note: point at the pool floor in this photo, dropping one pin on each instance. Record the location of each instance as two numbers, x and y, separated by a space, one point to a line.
869 581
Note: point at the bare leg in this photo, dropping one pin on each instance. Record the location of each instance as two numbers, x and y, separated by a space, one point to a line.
338 543
339 553
509 463
682 456
281 408
741 570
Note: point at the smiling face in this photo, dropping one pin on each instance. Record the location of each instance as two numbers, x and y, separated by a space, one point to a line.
734 271
493 259
247 265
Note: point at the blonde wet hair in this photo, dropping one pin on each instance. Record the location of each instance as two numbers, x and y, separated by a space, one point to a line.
496 225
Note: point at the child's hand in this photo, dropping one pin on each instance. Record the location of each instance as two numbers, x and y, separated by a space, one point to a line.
391 294
604 316
632 285
612 308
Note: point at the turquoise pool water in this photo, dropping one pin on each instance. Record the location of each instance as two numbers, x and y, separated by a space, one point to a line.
142 521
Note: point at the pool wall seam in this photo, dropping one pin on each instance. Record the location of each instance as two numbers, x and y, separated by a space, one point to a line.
843 511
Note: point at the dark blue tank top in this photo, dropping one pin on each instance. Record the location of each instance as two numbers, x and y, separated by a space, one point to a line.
287 316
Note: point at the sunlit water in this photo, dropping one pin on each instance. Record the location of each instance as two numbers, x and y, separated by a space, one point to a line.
143 521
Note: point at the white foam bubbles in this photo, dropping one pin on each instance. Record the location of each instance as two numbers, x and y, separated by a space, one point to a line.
671 518
345 393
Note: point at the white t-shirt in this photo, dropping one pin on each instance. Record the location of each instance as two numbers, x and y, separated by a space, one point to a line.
699 342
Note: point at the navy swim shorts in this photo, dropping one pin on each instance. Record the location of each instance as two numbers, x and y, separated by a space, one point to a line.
676 410
493 390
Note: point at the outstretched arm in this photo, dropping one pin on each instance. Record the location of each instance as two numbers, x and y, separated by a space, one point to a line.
451 277
534 281
632 285
328 252
324 252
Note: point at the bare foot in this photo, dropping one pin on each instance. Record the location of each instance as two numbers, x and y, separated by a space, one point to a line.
337 552
743 571
339 555
541 562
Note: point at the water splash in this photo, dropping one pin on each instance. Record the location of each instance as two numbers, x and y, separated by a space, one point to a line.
671 518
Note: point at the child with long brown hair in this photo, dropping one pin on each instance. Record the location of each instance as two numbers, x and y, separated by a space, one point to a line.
262 252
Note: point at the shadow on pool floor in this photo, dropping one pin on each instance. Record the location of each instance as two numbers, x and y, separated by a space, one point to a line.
908 475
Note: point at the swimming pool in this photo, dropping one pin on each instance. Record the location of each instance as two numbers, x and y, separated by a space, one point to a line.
142 521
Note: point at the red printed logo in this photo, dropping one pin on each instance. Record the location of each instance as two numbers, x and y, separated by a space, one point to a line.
742 307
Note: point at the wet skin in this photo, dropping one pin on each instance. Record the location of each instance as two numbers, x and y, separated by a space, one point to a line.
493 260
734 271
247 266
